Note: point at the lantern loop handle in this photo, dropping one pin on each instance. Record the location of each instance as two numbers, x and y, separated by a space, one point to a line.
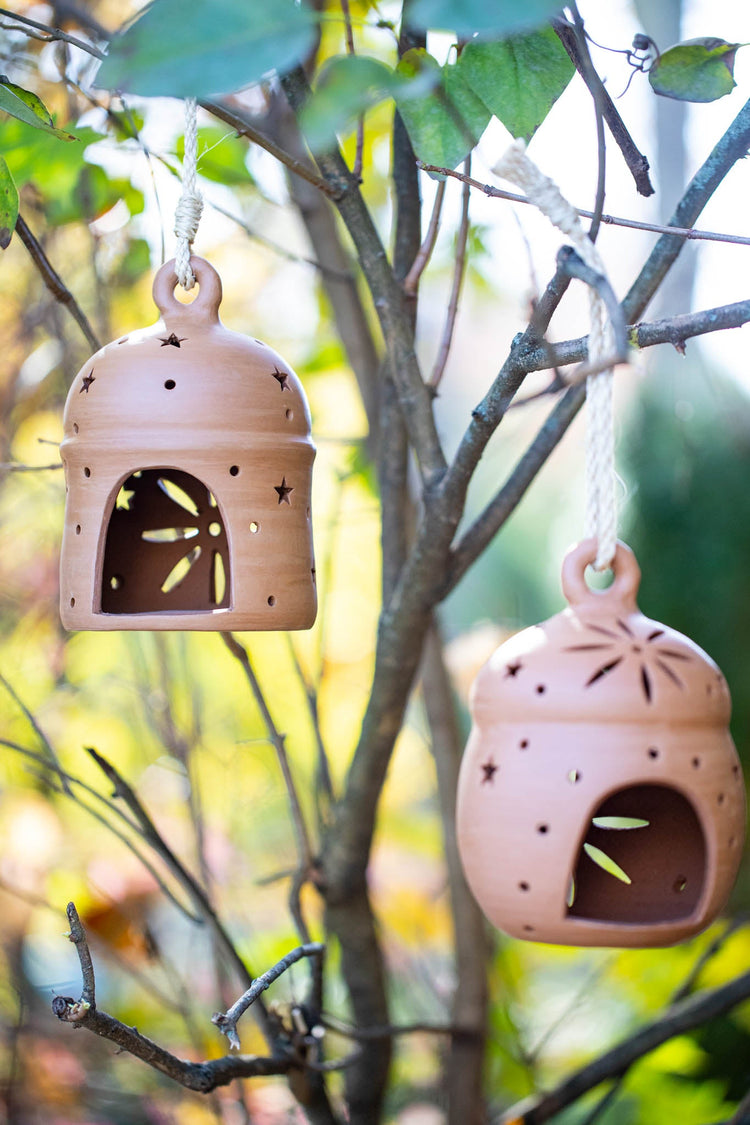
190 205
620 596
205 307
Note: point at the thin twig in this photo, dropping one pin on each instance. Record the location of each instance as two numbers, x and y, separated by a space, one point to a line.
243 128
54 761
411 281
16 467
278 741
635 160
596 90
325 782
227 1021
458 277
49 34
362 1034
350 50
689 233
78 937
682 1017
54 282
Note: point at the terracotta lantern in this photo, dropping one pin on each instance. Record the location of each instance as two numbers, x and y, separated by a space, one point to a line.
188 466
600 799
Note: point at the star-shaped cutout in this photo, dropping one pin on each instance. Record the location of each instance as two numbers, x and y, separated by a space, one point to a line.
281 377
124 497
86 382
175 341
489 769
283 490
512 670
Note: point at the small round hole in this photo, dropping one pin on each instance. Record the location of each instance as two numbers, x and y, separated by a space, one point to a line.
524 886
574 776
72 602
87 472
653 752
696 763
234 470
254 528
736 771
289 415
541 688
528 929
170 384
75 427
732 841
214 528
78 529
542 829
115 582
271 599
720 799
679 884
524 744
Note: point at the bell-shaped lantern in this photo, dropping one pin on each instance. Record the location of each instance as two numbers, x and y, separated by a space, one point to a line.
601 800
188 467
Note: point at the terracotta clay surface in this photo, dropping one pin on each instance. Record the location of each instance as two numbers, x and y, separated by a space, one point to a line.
600 799
188 465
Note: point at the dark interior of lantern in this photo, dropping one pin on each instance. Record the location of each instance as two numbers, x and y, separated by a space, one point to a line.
642 859
166 548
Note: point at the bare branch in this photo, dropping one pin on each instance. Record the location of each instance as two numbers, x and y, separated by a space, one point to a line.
47 34
677 1020
458 277
54 282
229 115
350 50
53 760
78 937
278 741
635 160
688 233
227 1021
16 467
411 281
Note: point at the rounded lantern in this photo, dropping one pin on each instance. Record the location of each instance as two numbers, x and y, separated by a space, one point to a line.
601 800
188 467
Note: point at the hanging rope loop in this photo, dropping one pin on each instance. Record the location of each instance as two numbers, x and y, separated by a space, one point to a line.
190 207
601 500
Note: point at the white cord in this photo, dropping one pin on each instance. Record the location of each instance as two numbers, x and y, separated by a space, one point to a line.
190 207
601 499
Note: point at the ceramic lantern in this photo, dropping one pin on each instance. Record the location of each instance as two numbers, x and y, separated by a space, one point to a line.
188 464
600 799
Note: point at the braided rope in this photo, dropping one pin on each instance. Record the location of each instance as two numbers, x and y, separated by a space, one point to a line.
190 207
601 499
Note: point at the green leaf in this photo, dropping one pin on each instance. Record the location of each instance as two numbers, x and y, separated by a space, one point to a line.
221 156
347 86
519 79
27 109
601 859
215 47
446 123
8 205
698 70
483 17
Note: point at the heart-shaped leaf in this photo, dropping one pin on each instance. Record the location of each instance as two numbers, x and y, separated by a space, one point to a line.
444 123
519 78
212 47
698 70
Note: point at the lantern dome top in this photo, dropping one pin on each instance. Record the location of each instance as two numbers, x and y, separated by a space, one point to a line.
601 660
186 372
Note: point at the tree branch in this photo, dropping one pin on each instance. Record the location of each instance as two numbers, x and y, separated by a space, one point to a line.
688 233
411 281
677 1020
458 277
54 282
48 34
414 396
227 1021
635 160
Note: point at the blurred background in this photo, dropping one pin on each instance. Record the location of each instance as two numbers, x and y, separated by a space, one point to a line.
173 711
